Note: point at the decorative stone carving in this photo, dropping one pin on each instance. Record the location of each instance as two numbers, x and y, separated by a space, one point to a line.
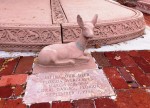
71 33
25 36
57 12
29 36
112 40
144 6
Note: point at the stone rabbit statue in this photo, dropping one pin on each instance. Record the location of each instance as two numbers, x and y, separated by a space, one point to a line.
62 54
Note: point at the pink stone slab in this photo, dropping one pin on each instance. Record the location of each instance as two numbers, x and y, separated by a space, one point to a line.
25 12
87 9
78 66
66 86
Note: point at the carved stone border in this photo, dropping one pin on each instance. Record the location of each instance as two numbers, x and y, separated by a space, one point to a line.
27 38
143 6
106 41
58 14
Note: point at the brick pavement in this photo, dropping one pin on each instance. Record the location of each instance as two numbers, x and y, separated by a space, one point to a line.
130 80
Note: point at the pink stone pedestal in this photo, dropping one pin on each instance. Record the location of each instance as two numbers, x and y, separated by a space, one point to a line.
66 86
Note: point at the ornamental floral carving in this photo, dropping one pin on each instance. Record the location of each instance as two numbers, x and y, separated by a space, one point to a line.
105 41
106 30
57 12
29 36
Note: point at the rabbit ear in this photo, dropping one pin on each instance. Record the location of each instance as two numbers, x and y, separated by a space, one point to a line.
94 20
80 21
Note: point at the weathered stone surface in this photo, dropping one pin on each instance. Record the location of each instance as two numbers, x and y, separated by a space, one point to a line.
74 7
38 9
56 86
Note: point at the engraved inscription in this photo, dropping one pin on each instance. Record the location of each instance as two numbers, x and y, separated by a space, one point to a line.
71 83
64 86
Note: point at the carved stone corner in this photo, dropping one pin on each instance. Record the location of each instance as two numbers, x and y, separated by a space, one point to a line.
58 15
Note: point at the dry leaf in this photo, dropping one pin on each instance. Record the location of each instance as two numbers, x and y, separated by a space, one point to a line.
117 58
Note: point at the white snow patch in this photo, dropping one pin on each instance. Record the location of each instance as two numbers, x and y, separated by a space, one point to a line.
113 97
114 1
148 90
4 54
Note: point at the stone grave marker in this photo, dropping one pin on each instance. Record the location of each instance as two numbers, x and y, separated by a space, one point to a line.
65 86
